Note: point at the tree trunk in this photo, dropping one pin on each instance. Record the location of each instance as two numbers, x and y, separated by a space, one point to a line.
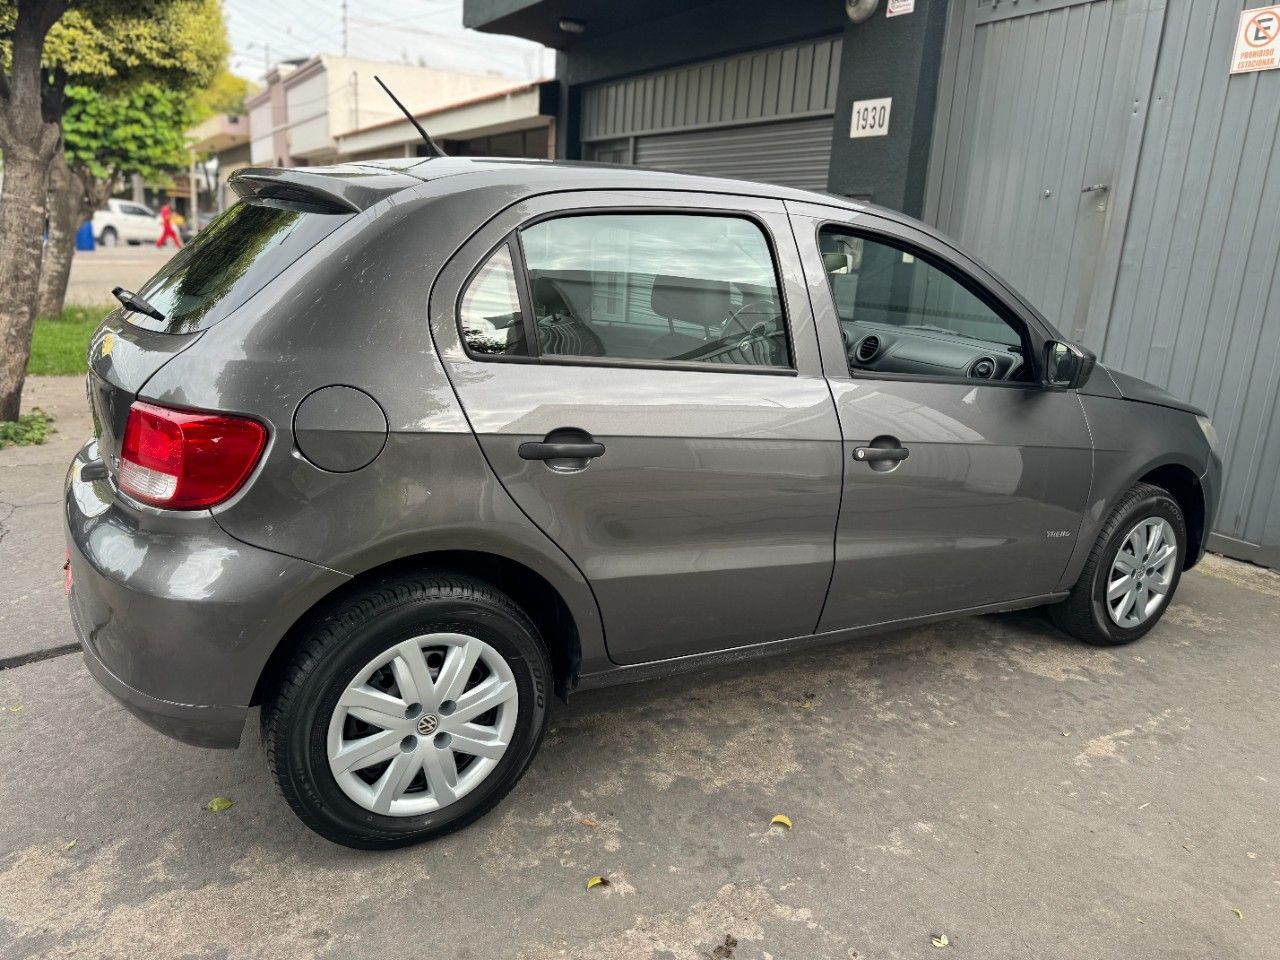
29 135
66 213
21 242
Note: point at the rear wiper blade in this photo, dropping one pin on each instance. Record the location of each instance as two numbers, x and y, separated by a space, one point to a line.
131 301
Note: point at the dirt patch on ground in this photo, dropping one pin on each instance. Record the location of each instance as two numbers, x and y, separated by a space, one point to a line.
726 922
1242 574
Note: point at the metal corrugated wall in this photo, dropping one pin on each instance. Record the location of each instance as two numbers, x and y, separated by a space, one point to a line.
1196 305
764 115
1182 287
794 154
1041 109
786 82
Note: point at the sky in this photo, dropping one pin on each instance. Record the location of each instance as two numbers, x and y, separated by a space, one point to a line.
427 32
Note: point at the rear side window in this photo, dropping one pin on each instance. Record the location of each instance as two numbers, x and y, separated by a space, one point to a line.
659 287
229 261
492 324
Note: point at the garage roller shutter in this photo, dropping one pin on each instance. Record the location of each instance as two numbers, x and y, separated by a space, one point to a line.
795 153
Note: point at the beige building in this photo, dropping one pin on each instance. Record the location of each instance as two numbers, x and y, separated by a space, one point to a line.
516 121
307 107
225 138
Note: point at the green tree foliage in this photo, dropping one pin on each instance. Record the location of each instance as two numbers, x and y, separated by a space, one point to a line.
225 94
137 130
181 44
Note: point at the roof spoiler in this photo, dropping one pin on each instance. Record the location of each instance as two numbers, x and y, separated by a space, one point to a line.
321 190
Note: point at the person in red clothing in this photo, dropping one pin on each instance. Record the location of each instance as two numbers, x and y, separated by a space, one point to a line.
166 214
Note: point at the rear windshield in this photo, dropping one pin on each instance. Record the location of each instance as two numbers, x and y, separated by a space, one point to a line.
229 261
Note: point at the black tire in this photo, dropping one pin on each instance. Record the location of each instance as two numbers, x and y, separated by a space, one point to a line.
297 710
1084 613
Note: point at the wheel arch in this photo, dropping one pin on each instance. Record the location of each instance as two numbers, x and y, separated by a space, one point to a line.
532 591
1173 473
1182 483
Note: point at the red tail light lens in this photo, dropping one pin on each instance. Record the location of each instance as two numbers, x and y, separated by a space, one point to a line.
184 460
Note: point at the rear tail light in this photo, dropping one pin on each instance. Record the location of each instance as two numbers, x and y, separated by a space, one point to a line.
184 460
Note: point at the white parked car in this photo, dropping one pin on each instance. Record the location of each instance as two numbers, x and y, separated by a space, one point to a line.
124 221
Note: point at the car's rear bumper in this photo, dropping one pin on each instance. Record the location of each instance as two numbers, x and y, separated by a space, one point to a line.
176 618
202 726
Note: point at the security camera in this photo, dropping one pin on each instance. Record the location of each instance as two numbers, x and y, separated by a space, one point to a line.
859 10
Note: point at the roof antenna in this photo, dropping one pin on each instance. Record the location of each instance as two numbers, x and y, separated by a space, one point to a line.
435 147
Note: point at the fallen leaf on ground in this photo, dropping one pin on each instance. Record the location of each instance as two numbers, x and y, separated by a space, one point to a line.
725 950
940 940
16 708
781 820
597 881
589 822
69 846
218 804
1239 914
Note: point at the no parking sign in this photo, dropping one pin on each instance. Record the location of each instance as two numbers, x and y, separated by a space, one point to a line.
1258 41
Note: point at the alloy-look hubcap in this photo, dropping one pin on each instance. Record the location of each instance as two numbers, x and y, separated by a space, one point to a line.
1142 572
422 724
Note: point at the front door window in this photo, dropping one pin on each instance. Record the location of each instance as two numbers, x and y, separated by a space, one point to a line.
899 313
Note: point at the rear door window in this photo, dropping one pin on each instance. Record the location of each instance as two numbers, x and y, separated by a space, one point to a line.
229 261
682 288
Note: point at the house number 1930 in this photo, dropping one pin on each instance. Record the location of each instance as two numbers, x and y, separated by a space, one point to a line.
870 117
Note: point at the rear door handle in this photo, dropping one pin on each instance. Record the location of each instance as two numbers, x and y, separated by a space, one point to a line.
544 450
880 454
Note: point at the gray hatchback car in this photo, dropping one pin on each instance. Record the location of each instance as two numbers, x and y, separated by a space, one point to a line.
398 450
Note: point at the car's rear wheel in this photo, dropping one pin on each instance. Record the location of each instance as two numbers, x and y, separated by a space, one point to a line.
109 237
1132 572
409 712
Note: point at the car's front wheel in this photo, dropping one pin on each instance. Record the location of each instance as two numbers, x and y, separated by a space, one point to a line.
409 712
1132 572
109 237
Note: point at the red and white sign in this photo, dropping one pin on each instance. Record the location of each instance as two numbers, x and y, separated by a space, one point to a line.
1258 42
897 8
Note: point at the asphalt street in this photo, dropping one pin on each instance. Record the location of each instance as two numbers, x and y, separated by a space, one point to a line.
987 779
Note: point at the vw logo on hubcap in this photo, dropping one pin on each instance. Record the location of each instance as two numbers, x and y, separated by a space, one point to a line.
427 724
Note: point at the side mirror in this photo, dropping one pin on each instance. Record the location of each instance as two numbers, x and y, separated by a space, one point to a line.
1066 366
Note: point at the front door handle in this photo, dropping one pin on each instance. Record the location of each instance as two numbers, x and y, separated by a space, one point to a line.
880 454
550 450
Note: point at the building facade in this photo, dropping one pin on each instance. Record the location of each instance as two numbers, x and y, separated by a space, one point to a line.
1100 154
513 121
224 140
305 107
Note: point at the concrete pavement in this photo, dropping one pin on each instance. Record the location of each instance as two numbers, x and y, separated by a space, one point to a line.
31 540
93 274
986 779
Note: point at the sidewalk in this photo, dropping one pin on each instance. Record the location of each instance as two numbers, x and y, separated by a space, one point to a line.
31 539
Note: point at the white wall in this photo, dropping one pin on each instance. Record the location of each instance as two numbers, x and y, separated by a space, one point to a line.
260 132
309 103
357 100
